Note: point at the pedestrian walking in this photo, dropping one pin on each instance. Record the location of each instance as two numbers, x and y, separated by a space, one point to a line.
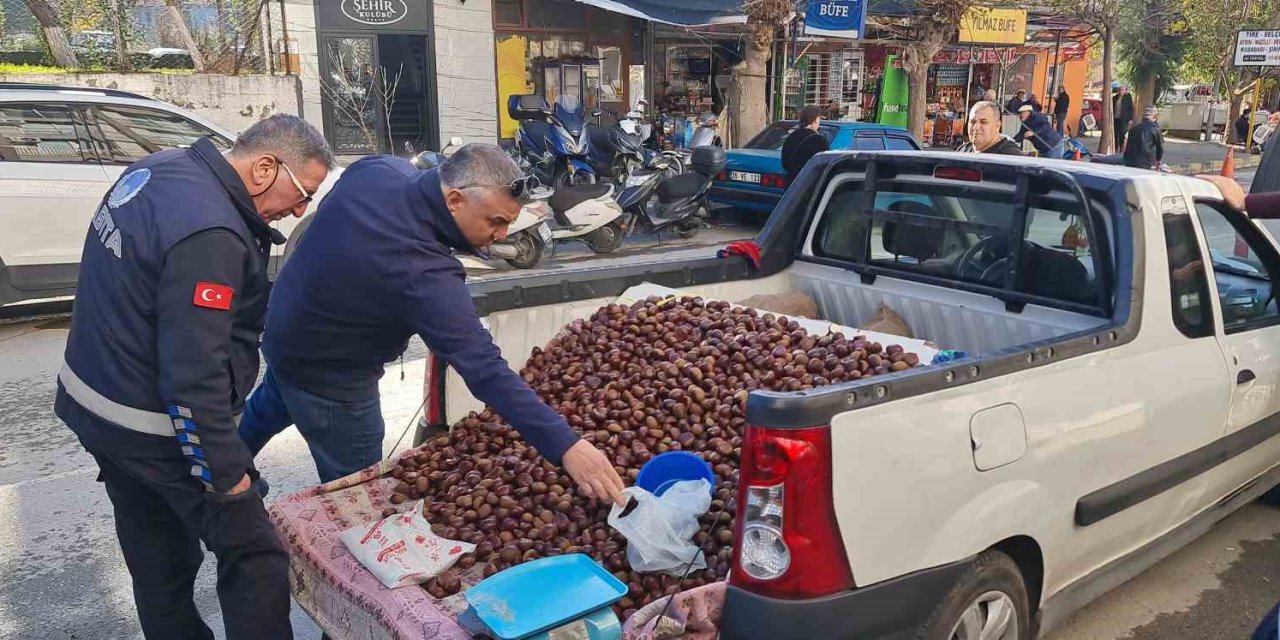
1061 107
376 267
803 143
1037 128
985 134
1146 144
163 350
1122 112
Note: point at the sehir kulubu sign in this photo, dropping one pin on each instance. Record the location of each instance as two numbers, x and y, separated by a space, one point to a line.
983 25
374 15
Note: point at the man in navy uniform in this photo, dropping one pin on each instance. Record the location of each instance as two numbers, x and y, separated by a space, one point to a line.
163 351
376 267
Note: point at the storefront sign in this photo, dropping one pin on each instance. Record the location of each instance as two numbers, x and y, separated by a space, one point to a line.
967 56
835 18
373 15
375 12
981 25
1258 49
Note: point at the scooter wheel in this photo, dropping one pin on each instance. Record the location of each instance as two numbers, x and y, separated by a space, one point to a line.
606 239
529 251
565 179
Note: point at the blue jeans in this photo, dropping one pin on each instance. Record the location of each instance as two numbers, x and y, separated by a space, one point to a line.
344 437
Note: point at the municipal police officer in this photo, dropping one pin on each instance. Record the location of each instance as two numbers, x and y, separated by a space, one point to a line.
162 353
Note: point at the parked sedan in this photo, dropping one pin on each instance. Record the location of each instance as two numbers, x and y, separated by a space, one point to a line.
754 178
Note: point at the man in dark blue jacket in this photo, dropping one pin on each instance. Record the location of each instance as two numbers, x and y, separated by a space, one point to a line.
376 266
162 352
1036 126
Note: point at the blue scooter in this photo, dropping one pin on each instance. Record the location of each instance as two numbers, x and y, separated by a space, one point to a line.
552 143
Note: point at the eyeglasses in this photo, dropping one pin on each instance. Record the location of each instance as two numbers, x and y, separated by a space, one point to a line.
306 197
521 188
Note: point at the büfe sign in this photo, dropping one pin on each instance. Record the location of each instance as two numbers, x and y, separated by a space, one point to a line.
983 25
1258 49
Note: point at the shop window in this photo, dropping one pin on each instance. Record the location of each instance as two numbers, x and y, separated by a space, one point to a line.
610 73
507 12
557 14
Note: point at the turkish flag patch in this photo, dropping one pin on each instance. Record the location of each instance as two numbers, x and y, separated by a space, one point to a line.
213 296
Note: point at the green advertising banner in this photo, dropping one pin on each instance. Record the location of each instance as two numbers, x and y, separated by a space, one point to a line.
894 93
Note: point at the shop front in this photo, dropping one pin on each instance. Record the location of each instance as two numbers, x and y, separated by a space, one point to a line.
377 75
558 48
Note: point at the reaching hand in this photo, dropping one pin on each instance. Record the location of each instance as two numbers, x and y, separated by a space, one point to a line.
591 470
1231 190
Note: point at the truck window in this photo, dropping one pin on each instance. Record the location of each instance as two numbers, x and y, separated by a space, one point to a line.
963 238
866 142
1244 266
1187 282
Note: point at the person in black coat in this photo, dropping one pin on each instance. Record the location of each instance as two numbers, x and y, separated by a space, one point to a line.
1146 144
1242 125
985 135
1016 102
804 142
1122 112
1061 105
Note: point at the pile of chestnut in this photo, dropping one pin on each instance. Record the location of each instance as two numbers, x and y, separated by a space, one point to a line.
636 381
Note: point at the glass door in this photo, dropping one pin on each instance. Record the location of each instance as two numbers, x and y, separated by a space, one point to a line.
351 85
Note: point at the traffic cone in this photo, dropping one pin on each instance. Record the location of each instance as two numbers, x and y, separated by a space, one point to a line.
1077 158
1229 165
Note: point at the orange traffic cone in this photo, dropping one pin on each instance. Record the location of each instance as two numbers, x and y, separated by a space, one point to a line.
1229 165
1077 158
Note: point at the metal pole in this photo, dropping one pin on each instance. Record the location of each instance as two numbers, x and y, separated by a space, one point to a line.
1248 131
284 35
271 45
1053 73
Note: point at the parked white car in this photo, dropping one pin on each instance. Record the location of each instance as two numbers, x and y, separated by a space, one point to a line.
61 148
1118 396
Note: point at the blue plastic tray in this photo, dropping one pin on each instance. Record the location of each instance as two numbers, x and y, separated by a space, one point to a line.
542 594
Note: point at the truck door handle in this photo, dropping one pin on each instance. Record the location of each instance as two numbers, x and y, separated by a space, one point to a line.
1245 375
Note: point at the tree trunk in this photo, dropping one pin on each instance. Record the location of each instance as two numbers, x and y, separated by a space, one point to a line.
1146 95
47 16
174 8
122 54
916 59
750 104
1108 142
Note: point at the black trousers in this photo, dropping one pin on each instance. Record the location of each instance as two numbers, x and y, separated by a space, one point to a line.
1122 130
162 514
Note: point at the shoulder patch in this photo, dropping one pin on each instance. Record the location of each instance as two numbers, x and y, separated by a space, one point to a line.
128 187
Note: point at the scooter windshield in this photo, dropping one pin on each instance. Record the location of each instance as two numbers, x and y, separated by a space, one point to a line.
570 113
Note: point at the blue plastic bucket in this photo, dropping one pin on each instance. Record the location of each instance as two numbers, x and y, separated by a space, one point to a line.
665 469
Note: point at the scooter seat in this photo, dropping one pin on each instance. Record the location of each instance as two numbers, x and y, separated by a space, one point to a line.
568 197
682 186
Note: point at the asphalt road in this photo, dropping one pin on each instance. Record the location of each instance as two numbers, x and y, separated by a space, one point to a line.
64 577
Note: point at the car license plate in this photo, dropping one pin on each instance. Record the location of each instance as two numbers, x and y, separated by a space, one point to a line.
740 176
544 232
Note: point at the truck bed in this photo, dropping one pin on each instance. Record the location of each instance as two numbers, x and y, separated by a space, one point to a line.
950 318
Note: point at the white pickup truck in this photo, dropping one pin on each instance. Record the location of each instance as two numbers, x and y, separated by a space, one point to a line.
1119 394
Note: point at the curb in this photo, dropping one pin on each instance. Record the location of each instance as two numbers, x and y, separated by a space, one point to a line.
1246 162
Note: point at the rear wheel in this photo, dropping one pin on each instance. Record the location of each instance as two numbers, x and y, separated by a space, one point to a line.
989 602
606 239
529 250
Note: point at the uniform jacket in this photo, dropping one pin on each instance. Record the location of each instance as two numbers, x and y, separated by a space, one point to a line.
173 285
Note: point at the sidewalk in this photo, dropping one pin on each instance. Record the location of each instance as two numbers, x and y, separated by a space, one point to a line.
1192 156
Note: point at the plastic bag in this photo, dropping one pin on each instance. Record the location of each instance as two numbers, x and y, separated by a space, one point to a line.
660 529
400 550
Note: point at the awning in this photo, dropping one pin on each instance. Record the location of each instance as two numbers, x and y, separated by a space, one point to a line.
685 12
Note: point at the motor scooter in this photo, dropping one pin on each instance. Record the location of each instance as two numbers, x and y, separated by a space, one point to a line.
660 202
587 213
552 144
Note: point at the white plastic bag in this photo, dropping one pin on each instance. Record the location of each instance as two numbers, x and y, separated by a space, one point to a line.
659 531
401 549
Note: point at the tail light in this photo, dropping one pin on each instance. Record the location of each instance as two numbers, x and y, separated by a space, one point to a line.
788 541
722 176
773 180
967 174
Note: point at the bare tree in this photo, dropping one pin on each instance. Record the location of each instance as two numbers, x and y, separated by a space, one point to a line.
359 96
1103 19
47 16
749 105
931 26
174 9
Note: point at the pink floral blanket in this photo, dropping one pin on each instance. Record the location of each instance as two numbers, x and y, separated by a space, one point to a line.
349 603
